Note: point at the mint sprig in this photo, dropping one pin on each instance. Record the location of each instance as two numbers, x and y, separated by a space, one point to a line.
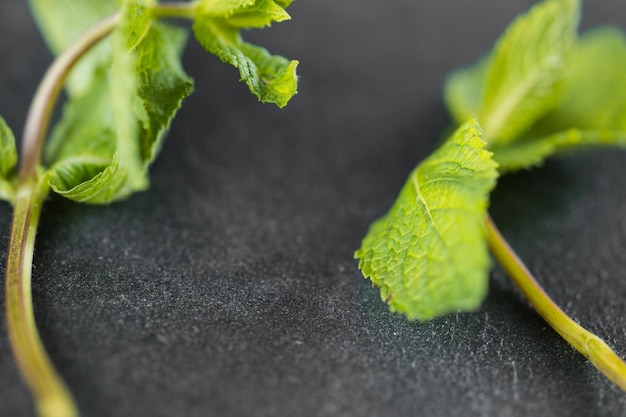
122 97
541 91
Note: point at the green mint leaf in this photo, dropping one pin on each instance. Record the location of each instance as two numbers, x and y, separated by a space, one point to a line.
83 145
593 96
526 153
271 78
244 14
283 3
527 69
223 8
463 90
428 254
86 126
263 13
8 161
591 112
105 155
62 21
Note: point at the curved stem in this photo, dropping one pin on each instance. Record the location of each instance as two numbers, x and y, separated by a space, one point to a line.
47 94
587 343
52 397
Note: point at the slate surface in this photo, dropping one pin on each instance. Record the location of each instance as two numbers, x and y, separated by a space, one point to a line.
229 288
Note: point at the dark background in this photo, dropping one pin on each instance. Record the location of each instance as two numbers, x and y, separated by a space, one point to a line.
229 288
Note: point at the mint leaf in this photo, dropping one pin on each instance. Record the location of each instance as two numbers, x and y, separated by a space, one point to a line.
62 21
593 96
592 110
83 146
136 104
526 154
223 8
86 126
463 90
244 14
271 78
8 160
527 69
263 13
283 3
428 255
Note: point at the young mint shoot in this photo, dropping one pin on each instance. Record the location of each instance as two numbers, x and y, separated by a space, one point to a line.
123 92
541 91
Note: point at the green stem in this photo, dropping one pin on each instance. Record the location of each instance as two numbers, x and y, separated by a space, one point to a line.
52 397
587 343
38 119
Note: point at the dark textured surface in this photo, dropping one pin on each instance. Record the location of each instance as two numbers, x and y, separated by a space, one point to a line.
229 288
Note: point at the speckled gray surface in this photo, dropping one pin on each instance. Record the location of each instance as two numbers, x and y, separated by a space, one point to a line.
229 288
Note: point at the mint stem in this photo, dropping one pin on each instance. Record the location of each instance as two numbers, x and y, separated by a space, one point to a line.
587 343
52 398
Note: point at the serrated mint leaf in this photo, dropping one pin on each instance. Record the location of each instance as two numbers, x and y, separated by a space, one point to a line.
62 21
463 90
89 179
136 103
271 78
527 69
527 153
86 125
222 8
261 14
283 3
83 145
428 254
591 111
595 87
8 160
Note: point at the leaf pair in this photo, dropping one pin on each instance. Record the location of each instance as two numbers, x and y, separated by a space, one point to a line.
543 90
540 91
123 95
